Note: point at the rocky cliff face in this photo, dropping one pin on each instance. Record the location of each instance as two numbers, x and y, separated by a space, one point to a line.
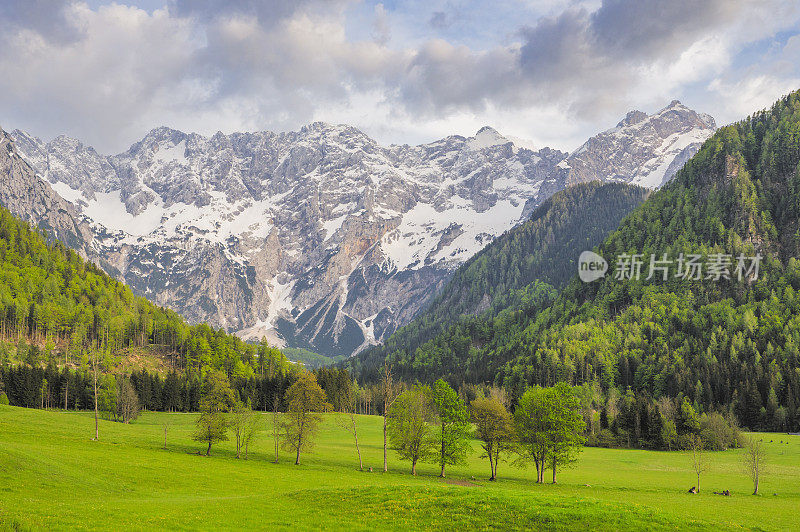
32 199
321 237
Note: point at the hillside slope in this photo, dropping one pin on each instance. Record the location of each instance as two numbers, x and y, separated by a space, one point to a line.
519 269
54 306
730 343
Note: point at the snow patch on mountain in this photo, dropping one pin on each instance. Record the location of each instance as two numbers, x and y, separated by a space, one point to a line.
172 154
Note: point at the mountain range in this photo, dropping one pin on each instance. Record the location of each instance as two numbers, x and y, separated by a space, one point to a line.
319 238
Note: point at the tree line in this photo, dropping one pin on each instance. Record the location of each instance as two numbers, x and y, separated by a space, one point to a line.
547 426
423 423
611 419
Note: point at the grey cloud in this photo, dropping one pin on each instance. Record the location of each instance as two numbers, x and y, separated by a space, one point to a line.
588 62
648 28
48 18
619 32
439 20
267 12
557 46
445 18
445 78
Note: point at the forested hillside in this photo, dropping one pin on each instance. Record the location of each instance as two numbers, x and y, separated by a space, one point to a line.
724 344
514 275
54 307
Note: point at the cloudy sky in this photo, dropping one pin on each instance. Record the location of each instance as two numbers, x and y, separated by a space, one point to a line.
413 71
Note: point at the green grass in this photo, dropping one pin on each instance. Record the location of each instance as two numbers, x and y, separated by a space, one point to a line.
53 477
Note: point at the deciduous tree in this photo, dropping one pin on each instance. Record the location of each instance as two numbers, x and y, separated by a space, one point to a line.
409 432
304 400
348 421
754 457
495 428
96 361
241 420
276 424
453 431
128 403
216 399
566 427
250 431
550 427
531 424
389 390
697 452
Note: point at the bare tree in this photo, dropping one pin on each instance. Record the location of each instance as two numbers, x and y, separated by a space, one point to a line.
276 425
250 433
245 426
697 450
666 406
94 363
500 395
389 392
128 401
242 414
348 421
754 458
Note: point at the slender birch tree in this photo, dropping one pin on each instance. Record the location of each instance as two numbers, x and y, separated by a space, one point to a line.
389 393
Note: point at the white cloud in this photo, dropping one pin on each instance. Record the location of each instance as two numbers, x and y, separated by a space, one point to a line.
745 96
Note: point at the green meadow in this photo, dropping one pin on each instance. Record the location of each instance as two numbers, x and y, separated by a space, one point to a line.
52 476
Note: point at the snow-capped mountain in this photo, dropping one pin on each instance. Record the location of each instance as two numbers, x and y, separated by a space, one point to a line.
322 237
641 150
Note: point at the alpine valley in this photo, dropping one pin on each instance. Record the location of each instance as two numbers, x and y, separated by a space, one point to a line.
320 238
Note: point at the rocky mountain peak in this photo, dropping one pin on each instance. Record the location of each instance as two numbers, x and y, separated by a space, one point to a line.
642 149
486 137
633 117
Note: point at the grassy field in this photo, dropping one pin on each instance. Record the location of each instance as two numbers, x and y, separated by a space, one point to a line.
53 477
